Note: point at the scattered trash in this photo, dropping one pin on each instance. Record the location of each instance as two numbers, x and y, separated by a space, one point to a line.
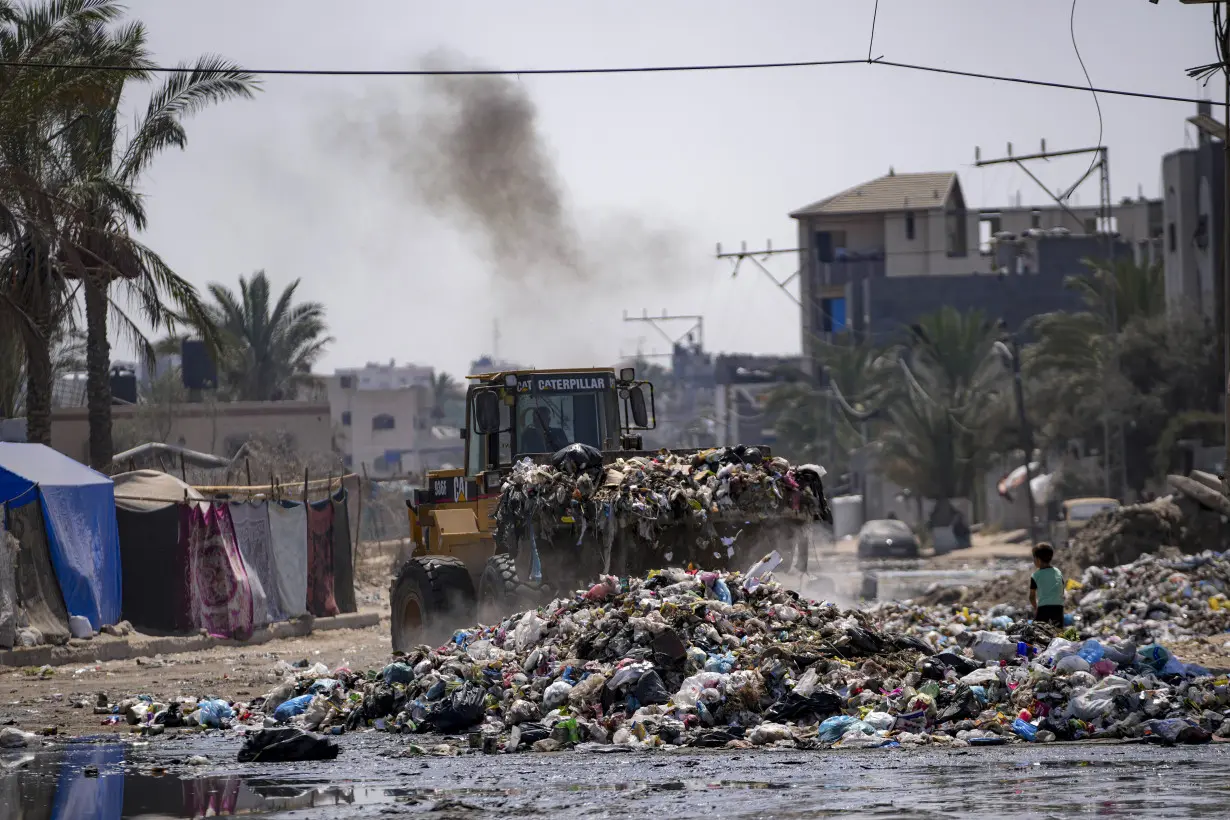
286 745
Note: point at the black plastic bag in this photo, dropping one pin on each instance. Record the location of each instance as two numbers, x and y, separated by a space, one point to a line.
822 703
910 642
963 705
286 745
959 663
576 458
533 732
717 738
458 711
649 690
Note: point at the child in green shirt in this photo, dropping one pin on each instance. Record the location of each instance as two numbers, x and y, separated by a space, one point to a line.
1046 587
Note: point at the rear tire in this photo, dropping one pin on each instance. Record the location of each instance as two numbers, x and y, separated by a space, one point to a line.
429 597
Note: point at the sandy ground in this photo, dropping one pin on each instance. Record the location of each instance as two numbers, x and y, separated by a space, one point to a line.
34 703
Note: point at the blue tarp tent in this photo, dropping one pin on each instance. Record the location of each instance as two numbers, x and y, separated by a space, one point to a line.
79 514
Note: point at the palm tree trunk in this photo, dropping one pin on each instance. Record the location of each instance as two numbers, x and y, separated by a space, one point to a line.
98 372
38 380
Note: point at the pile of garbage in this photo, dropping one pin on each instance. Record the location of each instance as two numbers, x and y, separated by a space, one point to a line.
650 493
711 659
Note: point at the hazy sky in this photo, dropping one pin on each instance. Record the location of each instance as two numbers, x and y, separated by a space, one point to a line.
652 169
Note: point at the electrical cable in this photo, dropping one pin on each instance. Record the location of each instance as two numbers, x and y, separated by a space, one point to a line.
871 42
322 72
1072 31
1206 72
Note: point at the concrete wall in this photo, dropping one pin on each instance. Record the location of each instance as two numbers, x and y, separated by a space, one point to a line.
410 410
1192 188
207 428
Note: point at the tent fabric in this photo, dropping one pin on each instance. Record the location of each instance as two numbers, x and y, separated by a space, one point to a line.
220 597
153 558
343 557
288 528
321 599
144 490
8 587
79 508
254 539
38 590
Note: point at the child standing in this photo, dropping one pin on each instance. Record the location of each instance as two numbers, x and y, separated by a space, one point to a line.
1046 587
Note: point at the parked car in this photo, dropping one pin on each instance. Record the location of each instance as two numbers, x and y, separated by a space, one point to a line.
887 538
1076 513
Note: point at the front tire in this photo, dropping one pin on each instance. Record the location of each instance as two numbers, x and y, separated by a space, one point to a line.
431 596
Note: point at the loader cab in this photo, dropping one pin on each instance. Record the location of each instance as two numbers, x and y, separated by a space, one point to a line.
513 415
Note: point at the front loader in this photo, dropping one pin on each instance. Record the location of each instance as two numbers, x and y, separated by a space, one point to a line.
462 568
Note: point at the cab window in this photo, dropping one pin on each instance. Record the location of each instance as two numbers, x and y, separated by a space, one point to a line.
547 423
476 446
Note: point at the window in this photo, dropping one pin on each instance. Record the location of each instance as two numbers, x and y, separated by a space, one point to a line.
909 226
1172 238
345 418
1035 220
957 233
347 461
383 422
547 423
347 382
827 244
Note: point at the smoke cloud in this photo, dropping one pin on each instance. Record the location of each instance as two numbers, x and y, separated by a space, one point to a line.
473 155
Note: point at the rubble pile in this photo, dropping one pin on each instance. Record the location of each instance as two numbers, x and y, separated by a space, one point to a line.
713 659
1119 535
650 493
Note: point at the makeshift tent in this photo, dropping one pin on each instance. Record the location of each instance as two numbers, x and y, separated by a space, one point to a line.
153 557
79 511
38 591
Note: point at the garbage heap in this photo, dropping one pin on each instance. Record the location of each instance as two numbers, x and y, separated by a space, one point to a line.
650 493
723 660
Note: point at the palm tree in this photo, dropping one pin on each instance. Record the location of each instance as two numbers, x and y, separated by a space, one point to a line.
941 426
106 206
35 106
266 349
444 388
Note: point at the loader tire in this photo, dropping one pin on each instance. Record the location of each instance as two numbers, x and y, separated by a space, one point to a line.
497 589
429 598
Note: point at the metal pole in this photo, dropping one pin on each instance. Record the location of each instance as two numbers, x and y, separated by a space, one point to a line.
1027 438
1225 245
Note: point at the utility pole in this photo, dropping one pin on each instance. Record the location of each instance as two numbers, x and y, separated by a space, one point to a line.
1114 449
757 258
697 325
1013 355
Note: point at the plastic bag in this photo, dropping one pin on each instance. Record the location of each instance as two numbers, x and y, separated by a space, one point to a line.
880 721
213 712
286 745
291 708
1024 729
760 569
529 631
769 733
832 729
461 710
992 646
316 713
556 695
398 673
650 690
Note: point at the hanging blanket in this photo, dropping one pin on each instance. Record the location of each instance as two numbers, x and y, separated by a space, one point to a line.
321 600
288 528
255 545
220 595
343 558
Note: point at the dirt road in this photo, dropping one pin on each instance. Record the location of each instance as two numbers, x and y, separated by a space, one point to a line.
32 702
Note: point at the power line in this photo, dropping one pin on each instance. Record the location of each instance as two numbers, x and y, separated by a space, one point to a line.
662 69
1072 31
871 42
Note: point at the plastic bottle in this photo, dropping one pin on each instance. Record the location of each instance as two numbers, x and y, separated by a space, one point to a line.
1026 730
1091 651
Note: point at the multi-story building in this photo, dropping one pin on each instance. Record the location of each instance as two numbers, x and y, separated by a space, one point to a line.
879 255
1193 197
382 417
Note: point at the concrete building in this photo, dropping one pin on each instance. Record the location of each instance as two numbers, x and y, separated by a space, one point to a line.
382 417
220 428
742 383
879 255
1193 186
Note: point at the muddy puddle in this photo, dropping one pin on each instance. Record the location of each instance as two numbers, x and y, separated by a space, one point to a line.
106 781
